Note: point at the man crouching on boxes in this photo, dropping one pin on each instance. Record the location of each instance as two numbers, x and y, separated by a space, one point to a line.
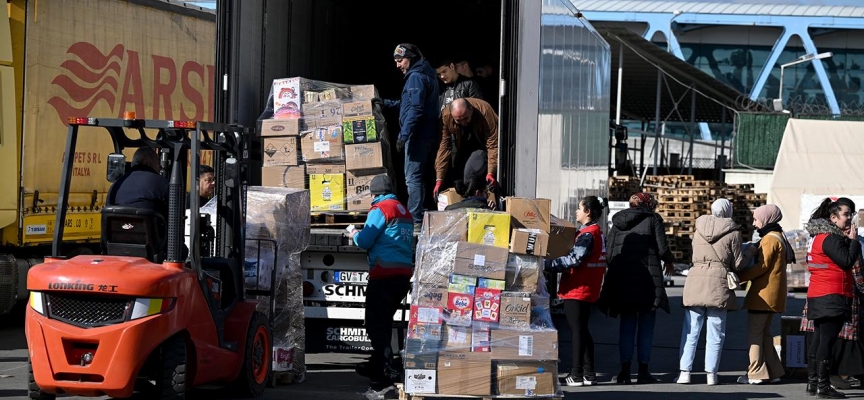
388 236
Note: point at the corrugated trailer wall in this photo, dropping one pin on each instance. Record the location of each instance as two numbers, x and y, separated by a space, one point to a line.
574 105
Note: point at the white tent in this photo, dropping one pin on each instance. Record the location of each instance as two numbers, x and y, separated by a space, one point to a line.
817 159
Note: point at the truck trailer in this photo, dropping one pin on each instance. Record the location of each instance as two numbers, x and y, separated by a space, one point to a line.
551 70
76 58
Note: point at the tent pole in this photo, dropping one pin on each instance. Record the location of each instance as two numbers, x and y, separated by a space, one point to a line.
657 122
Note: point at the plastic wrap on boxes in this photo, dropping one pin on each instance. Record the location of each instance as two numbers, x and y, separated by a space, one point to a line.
277 231
336 125
479 329
797 274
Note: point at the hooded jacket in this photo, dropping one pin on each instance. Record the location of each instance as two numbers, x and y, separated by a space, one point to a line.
388 236
716 250
634 281
419 106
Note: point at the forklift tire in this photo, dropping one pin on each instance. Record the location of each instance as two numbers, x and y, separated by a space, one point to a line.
257 364
33 391
171 380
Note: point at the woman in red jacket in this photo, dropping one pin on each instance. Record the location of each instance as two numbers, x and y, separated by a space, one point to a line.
833 251
581 278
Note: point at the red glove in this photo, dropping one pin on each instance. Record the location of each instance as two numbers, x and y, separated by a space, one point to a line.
491 181
437 189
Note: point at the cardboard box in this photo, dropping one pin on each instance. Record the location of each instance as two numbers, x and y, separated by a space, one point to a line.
460 305
487 283
464 374
286 98
463 280
448 197
515 311
521 345
357 189
489 227
487 304
529 241
481 337
457 338
357 109
327 192
529 213
290 176
420 381
322 114
424 331
363 92
562 237
526 378
322 143
522 273
431 296
421 354
426 315
480 260
364 156
280 150
325 169
280 127
436 264
445 226
359 130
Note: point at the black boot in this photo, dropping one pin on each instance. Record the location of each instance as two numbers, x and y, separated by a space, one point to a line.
812 378
644 376
624 376
823 388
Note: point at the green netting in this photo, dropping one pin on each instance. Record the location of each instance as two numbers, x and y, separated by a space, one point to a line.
758 139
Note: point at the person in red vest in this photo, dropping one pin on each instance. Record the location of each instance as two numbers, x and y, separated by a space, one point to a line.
581 278
832 252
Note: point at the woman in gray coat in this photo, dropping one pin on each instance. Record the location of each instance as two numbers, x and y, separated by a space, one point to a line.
716 250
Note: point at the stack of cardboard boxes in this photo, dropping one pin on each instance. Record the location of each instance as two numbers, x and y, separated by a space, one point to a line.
479 321
326 138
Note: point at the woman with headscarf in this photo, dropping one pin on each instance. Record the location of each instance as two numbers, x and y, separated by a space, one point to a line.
707 296
633 287
832 252
766 295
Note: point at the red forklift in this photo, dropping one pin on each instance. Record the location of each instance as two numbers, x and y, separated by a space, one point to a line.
151 314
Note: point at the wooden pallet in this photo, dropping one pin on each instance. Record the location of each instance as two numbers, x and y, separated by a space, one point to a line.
284 378
337 218
681 198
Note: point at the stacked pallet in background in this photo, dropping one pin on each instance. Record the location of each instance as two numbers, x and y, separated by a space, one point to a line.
681 199
622 187
327 138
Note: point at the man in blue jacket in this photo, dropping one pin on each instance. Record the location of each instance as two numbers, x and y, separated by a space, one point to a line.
388 237
418 121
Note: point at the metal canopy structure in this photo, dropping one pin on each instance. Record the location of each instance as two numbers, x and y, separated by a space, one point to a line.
639 61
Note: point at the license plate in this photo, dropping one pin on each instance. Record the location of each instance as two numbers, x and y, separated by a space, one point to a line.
351 277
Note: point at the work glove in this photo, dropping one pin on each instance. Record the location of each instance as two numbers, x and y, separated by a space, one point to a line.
400 145
491 181
437 189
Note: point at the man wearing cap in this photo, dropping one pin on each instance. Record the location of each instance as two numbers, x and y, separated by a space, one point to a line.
469 143
388 237
418 121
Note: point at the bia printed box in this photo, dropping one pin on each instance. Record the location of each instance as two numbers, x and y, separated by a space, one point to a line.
358 196
490 228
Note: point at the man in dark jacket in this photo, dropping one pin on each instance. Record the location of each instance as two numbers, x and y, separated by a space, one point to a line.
142 187
633 287
456 85
418 121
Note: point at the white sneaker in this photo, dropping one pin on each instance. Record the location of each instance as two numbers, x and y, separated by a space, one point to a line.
712 378
744 380
572 382
589 382
683 377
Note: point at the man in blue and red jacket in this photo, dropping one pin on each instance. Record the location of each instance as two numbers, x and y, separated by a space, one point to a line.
388 237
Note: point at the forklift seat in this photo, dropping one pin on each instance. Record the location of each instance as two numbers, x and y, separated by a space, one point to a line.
134 232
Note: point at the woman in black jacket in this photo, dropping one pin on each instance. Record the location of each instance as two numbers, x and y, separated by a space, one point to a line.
833 251
633 287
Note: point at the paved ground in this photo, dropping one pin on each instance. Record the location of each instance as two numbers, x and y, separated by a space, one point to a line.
331 376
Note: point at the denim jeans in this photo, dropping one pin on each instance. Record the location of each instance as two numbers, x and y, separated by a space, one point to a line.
715 335
416 161
628 335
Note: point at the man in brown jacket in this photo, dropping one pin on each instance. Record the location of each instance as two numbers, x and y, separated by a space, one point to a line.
469 143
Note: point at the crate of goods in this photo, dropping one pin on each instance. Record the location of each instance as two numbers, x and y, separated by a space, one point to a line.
479 323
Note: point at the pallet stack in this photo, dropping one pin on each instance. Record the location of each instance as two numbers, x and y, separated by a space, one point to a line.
622 187
681 199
